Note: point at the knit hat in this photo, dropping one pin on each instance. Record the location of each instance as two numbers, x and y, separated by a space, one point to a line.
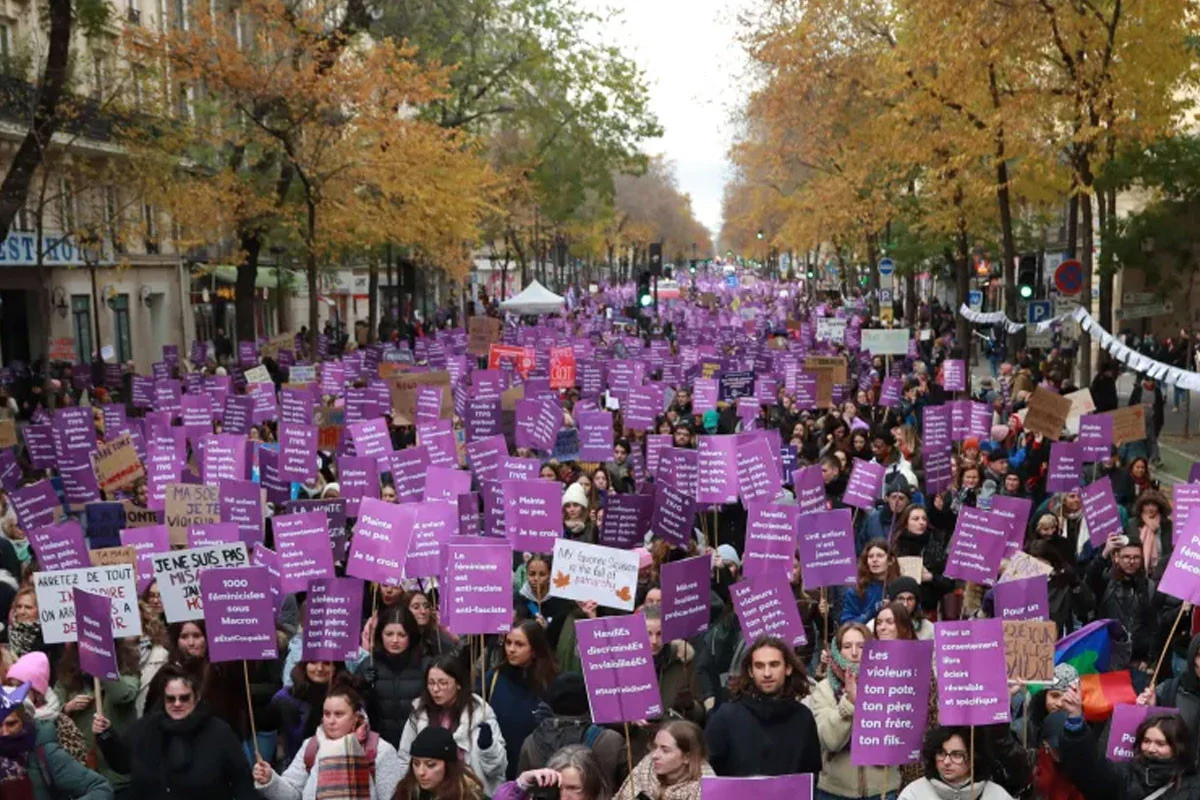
727 553
34 668
901 585
998 454
971 443
567 695
711 419
645 560
898 484
1064 677
575 493
435 742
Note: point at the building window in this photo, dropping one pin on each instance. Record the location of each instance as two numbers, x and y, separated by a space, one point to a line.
181 14
150 220
183 102
81 315
5 45
66 206
120 307
99 77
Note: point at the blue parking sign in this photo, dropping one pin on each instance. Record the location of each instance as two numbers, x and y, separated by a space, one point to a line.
1039 310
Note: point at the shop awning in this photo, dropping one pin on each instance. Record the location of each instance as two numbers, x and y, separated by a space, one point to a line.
265 279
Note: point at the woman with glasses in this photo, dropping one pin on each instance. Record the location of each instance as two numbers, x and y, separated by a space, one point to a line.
948 773
180 749
394 672
447 702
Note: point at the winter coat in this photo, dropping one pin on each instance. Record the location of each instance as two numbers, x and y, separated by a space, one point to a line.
393 685
1100 779
931 548
934 789
514 704
298 782
643 781
151 661
120 706
554 733
760 735
213 764
861 607
289 715
677 682
835 718
715 659
1127 599
1183 692
55 774
1135 399
489 764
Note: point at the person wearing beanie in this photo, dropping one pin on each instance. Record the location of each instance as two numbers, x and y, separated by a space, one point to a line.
880 523
564 718
34 669
729 555
577 520
907 591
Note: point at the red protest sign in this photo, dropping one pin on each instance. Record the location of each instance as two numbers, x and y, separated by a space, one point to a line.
562 367
521 357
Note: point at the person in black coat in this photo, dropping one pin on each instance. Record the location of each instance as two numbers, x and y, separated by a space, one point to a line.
179 749
1104 387
394 672
765 729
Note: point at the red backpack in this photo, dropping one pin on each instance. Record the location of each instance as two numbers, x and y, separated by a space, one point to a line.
371 748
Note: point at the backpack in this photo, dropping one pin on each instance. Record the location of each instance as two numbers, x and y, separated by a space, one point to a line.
371 749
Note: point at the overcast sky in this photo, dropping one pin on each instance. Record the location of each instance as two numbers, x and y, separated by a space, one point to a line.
692 60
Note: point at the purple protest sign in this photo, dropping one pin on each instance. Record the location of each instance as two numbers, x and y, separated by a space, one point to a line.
380 544
371 438
331 614
477 588
446 483
891 392
865 485
826 545
359 480
79 481
433 524
889 718
224 456
533 514
595 435
242 504
972 675
781 787
239 412
765 606
977 547
60 546
626 520
439 438
717 470
407 468
937 426
674 513
1100 511
1095 436
758 475
1122 731
677 466
265 557
1181 578
517 469
212 533
1014 511
146 541
39 439
809 487
239 616
770 539
297 452
618 668
1023 599
97 651
36 505
685 597
1065 473
537 424
954 375
302 544
10 470
197 415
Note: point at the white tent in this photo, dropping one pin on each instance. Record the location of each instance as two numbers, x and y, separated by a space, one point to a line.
535 299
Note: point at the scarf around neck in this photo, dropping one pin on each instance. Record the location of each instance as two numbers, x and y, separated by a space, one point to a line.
838 669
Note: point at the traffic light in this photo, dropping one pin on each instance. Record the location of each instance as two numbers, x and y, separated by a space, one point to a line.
656 261
1026 276
692 267
643 292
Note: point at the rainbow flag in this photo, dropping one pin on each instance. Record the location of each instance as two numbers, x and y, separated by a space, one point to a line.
1089 651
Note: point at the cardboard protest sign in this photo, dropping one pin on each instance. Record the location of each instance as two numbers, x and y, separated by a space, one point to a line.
138 517
177 574
1029 650
618 669
911 567
1024 599
765 607
594 572
1046 413
190 504
331 614
477 587
380 544
1122 730
56 600
482 332
116 464
109 556
1081 404
971 678
893 688
239 617
1128 424
685 597
826 545
8 433
97 651
1022 565
403 391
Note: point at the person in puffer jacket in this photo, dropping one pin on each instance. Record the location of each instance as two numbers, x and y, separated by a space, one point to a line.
394 672
948 771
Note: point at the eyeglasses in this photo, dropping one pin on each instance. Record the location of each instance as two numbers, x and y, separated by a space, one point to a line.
440 684
1134 557
957 757
178 699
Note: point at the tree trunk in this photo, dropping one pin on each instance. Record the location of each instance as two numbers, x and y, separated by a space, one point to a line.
1073 224
29 155
1108 225
962 280
247 273
310 268
372 299
1085 299
910 296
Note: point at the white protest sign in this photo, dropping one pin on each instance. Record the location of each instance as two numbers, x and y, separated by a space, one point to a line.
56 599
302 373
594 572
831 330
178 576
885 341
258 374
1081 403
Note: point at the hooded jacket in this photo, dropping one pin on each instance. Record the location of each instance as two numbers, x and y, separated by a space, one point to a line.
554 733
488 763
760 735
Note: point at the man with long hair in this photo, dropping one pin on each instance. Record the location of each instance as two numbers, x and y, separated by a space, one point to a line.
765 729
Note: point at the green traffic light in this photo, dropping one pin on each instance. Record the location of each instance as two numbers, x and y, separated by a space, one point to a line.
1026 291
646 300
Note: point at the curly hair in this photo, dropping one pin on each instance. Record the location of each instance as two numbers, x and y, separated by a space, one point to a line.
794 686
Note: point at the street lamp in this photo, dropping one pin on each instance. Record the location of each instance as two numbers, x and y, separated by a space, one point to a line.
91 248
